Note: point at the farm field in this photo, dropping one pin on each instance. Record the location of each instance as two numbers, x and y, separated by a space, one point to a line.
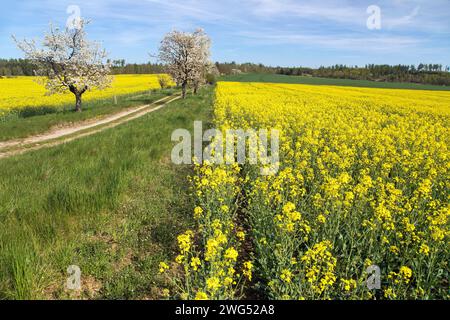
363 181
28 111
278 78
24 92
110 203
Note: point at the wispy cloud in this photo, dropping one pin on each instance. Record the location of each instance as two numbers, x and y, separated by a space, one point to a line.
361 43
405 20
311 10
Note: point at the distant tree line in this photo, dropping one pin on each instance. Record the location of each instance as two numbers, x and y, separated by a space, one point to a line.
16 67
23 67
435 74
121 67
233 67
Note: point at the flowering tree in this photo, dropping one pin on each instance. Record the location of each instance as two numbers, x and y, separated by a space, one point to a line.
69 62
185 56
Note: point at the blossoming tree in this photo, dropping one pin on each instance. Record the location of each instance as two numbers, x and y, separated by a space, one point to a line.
185 55
67 61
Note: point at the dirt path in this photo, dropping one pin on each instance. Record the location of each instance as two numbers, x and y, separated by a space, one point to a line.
79 130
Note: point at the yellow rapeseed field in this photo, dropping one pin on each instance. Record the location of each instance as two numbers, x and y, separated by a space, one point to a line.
21 92
364 181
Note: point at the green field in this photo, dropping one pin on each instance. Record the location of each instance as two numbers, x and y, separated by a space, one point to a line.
278 78
111 203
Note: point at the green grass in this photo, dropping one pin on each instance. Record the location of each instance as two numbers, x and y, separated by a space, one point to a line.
15 126
111 203
278 78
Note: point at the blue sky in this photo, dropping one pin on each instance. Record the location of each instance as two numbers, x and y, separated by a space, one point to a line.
274 32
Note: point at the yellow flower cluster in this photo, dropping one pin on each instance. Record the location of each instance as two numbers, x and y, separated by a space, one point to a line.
288 218
21 92
404 275
319 266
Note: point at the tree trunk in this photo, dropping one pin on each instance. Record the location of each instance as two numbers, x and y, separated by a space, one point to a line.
195 88
78 102
183 89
